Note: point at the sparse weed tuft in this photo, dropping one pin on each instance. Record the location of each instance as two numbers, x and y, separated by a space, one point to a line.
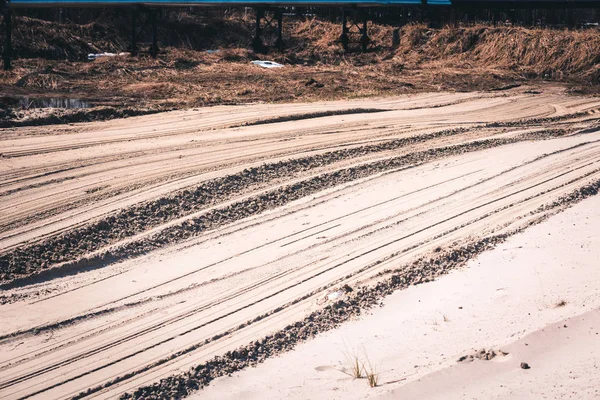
357 369
373 378
371 372
356 366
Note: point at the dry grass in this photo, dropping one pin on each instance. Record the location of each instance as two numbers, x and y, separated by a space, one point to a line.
356 365
528 51
371 373
356 368
361 367
545 53
455 59
372 378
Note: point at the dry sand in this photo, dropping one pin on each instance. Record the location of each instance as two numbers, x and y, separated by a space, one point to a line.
136 249
505 300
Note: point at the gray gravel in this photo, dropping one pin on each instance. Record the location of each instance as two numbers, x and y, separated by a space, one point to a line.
356 302
69 250
29 259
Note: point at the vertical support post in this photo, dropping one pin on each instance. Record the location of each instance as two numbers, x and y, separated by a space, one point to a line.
7 54
396 38
279 41
154 48
529 14
570 18
134 15
257 43
364 37
453 18
344 39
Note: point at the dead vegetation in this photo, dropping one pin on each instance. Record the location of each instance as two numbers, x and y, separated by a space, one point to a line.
561 303
361 367
356 369
373 378
371 373
478 57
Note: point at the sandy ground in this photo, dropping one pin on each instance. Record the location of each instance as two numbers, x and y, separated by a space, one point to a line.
505 300
56 178
135 249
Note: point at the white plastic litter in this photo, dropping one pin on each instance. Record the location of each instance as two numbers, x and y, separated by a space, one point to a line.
335 295
267 64
93 56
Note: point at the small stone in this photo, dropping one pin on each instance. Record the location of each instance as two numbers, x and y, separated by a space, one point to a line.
524 365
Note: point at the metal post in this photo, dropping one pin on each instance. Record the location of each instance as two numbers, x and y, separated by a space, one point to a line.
7 54
134 15
344 36
154 48
453 18
364 37
570 18
257 43
279 42
396 37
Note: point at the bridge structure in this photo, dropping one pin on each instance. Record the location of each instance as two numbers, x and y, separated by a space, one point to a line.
269 14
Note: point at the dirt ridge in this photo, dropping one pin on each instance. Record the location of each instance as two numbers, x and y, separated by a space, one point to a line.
185 202
39 257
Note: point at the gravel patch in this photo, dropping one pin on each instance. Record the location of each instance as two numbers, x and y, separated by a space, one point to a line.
356 302
67 251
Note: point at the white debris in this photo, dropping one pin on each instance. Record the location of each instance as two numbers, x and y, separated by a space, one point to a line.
93 56
335 295
267 64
